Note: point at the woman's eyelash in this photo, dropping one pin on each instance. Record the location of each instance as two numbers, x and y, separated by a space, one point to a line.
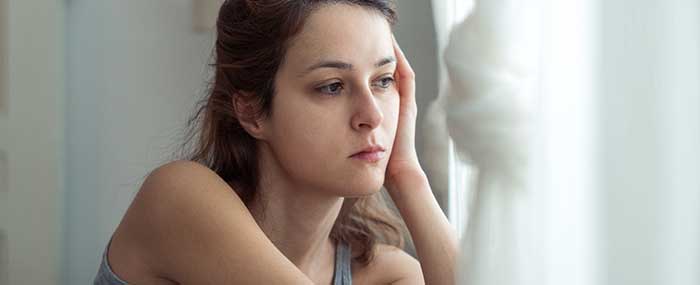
331 89
336 87
389 80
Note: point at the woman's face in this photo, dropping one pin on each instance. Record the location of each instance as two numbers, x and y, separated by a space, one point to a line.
335 96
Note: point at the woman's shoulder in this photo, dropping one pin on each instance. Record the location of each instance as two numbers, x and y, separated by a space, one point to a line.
163 204
390 265
179 174
187 224
185 183
173 189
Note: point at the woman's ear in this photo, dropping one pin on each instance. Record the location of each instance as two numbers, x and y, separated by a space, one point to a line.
246 108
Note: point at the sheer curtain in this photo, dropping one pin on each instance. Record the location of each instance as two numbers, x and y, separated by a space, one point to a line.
571 129
446 171
483 115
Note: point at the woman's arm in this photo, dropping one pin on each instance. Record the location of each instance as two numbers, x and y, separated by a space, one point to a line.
187 225
433 236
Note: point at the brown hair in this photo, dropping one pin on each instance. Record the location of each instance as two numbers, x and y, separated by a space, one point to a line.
252 37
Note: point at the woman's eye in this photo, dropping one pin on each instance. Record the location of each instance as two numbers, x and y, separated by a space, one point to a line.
331 89
386 82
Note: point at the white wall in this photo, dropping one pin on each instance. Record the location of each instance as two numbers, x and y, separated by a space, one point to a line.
31 139
4 26
650 142
135 69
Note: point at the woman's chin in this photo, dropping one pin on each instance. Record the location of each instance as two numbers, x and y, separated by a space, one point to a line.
363 188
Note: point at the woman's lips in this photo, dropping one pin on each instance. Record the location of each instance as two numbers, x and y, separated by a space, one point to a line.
369 156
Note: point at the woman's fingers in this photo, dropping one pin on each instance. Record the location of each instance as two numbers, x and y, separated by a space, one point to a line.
403 67
404 75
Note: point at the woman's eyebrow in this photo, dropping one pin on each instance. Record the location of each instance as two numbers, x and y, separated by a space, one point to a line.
385 61
344 65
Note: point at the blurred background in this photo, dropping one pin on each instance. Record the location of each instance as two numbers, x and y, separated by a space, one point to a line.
562 136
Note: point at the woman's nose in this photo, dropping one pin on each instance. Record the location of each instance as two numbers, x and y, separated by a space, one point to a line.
367 113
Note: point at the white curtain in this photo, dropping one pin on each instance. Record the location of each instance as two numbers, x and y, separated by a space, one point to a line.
573 128
444 169
483 108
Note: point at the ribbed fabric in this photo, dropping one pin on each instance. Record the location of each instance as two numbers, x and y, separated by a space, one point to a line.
342 274
105 276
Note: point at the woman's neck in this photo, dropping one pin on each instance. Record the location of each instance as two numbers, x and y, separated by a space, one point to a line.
297 220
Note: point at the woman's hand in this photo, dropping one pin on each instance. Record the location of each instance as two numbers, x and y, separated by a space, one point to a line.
404 160
433 236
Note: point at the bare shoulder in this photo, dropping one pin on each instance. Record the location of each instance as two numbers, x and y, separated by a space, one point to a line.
179 174
391 265
187 225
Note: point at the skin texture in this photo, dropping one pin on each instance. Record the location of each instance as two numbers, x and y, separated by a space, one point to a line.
187 226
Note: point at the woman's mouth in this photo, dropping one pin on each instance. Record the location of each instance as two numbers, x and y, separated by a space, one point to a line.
369 156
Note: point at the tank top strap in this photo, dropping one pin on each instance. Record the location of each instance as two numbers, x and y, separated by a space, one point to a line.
343 261
105 275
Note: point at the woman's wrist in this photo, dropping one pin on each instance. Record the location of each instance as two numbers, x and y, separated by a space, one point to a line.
409 180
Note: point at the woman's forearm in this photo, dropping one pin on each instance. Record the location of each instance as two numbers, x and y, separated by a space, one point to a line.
433 236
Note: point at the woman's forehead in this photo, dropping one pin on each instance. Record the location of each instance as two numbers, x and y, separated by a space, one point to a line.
341 32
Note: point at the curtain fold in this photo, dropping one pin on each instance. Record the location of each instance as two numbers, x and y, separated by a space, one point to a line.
437 148
483 111
442 166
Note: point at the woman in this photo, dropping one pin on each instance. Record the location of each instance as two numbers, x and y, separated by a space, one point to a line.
312 110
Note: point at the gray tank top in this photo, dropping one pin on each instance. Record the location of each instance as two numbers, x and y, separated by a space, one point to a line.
342 274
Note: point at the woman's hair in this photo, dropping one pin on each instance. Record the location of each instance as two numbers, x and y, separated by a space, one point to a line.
252 38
